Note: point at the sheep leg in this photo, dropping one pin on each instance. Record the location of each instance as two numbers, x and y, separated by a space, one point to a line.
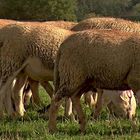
18 93
77 106
47 86
2 98
35 93
99 105
9 104
6 100
90 99
55 104
69 109
87 99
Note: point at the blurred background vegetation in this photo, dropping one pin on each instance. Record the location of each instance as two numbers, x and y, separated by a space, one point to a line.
69 10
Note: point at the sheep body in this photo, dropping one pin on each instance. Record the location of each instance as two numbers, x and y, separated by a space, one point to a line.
100 58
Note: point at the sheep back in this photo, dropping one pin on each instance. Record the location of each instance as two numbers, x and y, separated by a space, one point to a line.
107 23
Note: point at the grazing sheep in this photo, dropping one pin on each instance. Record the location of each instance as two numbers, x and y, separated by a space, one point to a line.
123 102
103 59
118 102
38 45
107 23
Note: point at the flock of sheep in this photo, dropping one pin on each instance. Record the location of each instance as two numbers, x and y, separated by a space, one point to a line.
97 57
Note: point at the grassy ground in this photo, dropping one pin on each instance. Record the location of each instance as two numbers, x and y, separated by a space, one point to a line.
34 127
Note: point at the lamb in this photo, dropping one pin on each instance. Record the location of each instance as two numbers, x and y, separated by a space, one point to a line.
120 103
90 59
37 46
107 23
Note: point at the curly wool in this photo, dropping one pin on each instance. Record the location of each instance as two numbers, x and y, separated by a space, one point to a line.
107 23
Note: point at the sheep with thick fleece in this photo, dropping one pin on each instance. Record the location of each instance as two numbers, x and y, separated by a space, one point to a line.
107 23
38 45
60 24
104 59
123 103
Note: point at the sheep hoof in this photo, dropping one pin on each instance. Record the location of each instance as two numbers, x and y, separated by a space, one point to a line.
52 130
95 116
44 110
82 132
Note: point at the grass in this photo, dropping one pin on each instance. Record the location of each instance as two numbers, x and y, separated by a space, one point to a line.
34 127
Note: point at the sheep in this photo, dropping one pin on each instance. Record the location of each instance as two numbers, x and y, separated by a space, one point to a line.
38 45
104 59
107 23
33 83
60 24
120 103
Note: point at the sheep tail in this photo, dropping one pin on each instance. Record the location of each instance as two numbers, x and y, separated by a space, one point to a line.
11 78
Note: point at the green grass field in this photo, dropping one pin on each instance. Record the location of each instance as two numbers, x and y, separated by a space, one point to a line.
34 127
